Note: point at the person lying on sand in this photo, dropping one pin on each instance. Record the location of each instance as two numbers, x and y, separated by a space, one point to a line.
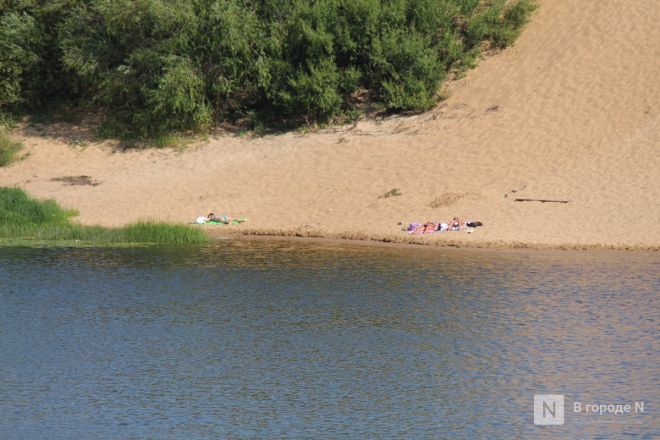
426 228
429 227
456 225
219 218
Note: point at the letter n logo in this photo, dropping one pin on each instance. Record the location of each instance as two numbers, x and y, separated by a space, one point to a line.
548 409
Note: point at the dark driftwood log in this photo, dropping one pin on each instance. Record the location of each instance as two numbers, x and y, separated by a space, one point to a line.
542 200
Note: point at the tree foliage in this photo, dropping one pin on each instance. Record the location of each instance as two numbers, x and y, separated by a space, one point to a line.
159 65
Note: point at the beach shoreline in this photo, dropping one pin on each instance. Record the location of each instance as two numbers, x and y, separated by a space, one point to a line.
420 241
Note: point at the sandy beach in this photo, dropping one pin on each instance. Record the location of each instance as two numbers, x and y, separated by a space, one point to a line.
570 112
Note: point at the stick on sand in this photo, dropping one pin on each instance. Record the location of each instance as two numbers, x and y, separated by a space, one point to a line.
541 200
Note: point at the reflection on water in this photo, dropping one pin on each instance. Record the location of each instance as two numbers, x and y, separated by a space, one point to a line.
268 339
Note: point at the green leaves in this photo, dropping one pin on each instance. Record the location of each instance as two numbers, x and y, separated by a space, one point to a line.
498 22
154 66
178 100
314 94
20 43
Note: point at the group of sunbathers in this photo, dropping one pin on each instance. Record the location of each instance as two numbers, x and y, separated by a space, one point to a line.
454 225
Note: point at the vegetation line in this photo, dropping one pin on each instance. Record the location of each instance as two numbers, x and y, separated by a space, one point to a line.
157 66
23 219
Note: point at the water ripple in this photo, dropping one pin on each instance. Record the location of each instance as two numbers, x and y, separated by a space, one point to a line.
252 339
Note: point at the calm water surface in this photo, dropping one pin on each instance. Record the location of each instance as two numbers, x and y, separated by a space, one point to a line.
268 339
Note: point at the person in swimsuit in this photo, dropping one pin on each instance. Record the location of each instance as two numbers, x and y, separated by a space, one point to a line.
426 228
455 224
219 218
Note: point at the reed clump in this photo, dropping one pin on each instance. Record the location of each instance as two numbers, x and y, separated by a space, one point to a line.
26 219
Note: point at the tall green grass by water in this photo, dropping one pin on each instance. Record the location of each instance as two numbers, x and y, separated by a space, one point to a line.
23 219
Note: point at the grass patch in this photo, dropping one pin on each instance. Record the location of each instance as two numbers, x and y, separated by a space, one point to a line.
178 141
174 141
8 120
25 219
8 148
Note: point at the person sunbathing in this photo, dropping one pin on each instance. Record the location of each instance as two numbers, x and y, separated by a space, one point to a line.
455 224
426 228
219 218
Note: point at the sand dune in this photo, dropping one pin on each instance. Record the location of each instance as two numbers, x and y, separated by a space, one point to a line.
571 112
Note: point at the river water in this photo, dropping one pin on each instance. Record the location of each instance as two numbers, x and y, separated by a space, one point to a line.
252 339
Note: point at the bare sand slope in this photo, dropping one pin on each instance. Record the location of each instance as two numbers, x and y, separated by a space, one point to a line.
571 112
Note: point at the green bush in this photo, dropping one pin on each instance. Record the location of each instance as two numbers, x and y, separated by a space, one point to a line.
132 57
499 22
153 66
517 15
20 42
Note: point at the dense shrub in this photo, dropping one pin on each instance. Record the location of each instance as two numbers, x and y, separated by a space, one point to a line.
159 65
20 44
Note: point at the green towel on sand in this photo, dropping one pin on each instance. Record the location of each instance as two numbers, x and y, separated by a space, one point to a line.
233 222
